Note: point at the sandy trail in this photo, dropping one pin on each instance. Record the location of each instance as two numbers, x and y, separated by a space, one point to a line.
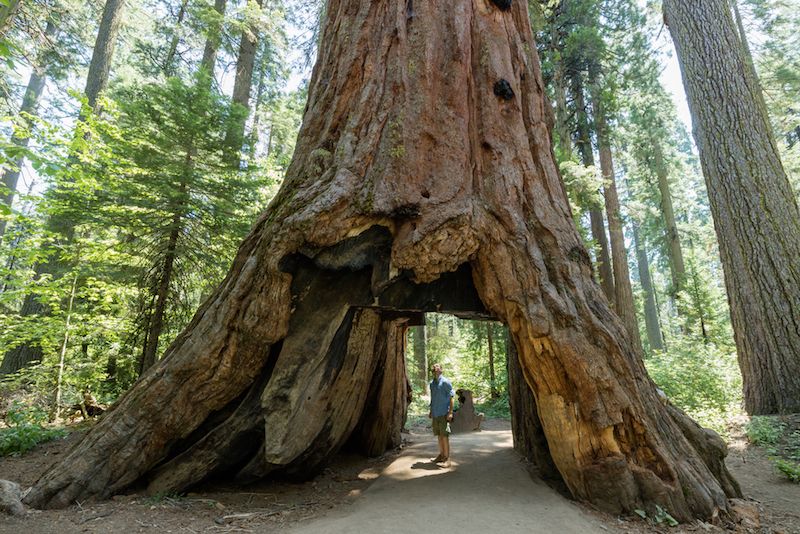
486 489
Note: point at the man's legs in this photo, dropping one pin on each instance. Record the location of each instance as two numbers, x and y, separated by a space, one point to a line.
445 446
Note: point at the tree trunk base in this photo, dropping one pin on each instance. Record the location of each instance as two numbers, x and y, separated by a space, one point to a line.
413 188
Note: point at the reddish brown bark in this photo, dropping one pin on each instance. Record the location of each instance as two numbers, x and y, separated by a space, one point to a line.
414 187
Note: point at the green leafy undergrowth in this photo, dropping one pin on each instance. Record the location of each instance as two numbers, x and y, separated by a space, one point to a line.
495 408
703 380
26 429
780 436
660 517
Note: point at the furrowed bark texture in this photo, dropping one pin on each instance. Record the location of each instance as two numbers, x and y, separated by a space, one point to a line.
754 207
414 187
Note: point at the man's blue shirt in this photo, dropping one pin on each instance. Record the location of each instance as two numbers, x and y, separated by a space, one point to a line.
441 392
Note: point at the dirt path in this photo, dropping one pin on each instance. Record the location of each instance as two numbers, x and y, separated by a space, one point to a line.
760 481
486 489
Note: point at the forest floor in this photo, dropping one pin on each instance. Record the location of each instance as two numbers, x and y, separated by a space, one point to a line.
487 488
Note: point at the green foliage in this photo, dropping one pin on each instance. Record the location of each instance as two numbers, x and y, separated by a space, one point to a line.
790 469
660 517
764 430
461 346
418 411
701 379
496 408
25 430
781 439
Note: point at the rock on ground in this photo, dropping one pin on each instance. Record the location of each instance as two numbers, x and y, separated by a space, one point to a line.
10 498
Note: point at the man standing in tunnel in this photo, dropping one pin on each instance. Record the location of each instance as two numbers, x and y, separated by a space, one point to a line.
441 411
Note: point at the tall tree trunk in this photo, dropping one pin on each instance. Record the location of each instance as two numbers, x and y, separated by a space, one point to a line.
492 378
677 266
156 319
423 180
421 357
650 309
603 260
213 40
29 107
754 207
254 131
560 92
623 292
156 322
698 300
242 86
169 60
26 354
56 414
103 53
7 14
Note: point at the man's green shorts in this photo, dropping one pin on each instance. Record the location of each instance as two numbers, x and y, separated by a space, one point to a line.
440 426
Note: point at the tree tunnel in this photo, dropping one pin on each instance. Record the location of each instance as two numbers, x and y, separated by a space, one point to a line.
416 185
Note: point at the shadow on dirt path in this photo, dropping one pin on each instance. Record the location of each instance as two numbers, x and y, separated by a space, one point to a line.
486 489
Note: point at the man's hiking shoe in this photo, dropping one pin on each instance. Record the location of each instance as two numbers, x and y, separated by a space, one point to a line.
439 459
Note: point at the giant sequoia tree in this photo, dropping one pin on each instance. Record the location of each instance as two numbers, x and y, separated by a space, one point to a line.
423 179
754 207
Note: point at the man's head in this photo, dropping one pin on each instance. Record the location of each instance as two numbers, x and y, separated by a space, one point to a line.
437 369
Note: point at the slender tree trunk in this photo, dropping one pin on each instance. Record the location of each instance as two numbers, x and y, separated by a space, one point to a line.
421 357
623 292
30 105
755 210
63 351
7 14
169 60
156 321
213 40
492 378
254 131
603 260
242 87
677 266
103 53
697 297
560 91
415 186
650 309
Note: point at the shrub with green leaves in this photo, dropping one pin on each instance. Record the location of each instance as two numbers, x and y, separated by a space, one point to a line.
703 380
25 430
790 469
764 431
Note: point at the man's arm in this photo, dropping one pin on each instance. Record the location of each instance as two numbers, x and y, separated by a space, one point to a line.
450 410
